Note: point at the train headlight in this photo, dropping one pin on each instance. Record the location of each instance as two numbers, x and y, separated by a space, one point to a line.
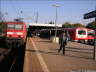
10 32
19 33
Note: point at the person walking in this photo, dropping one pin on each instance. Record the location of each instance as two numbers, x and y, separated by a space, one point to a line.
63 41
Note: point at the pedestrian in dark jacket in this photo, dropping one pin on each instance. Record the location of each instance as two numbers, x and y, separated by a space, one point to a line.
63 41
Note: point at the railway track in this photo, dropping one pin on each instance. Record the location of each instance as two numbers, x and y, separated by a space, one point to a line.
3 53
11 60
18 61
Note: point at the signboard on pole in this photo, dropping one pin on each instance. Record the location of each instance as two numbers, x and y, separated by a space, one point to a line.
87 16
90 15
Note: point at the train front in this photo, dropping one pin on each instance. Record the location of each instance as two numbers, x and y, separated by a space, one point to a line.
15 34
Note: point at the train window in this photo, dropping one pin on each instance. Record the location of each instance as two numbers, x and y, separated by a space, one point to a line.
15 26
90 34
10 26
82 32
18 26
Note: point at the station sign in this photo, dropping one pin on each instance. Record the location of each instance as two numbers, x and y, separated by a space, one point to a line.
90 15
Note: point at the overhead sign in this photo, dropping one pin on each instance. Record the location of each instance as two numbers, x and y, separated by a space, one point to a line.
90 15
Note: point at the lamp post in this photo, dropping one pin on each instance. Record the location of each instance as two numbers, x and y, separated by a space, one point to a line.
56 6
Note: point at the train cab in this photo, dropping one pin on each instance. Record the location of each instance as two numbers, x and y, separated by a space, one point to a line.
15 33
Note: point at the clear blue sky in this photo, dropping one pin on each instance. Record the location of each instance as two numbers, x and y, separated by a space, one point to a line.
69 11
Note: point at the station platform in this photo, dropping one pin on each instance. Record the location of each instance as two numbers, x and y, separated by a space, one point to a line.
42 55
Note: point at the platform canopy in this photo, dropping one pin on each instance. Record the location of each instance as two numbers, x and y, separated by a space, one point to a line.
44 25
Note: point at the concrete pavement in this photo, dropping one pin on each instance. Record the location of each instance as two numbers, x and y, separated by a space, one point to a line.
41 56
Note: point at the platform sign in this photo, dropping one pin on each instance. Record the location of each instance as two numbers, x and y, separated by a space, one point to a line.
90 15
87 16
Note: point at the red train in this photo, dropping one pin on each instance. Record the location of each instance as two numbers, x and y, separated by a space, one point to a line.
80 34
16 33
91 36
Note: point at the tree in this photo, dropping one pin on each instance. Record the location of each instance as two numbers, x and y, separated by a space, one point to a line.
67 25
51 22
91 25
78 25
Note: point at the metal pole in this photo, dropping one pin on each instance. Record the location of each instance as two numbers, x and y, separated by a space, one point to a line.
56 25
37 17
94 55
0 16
56 5
0 13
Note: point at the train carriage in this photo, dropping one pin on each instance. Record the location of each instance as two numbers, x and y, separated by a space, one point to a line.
91 36
77 34
15 34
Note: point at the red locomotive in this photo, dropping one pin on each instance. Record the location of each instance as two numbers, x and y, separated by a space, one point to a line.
15 34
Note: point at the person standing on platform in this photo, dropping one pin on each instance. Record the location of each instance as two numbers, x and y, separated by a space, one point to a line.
63 41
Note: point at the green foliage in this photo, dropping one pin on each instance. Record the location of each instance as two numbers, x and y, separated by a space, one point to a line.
91 25
68 25
51 22
78 25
